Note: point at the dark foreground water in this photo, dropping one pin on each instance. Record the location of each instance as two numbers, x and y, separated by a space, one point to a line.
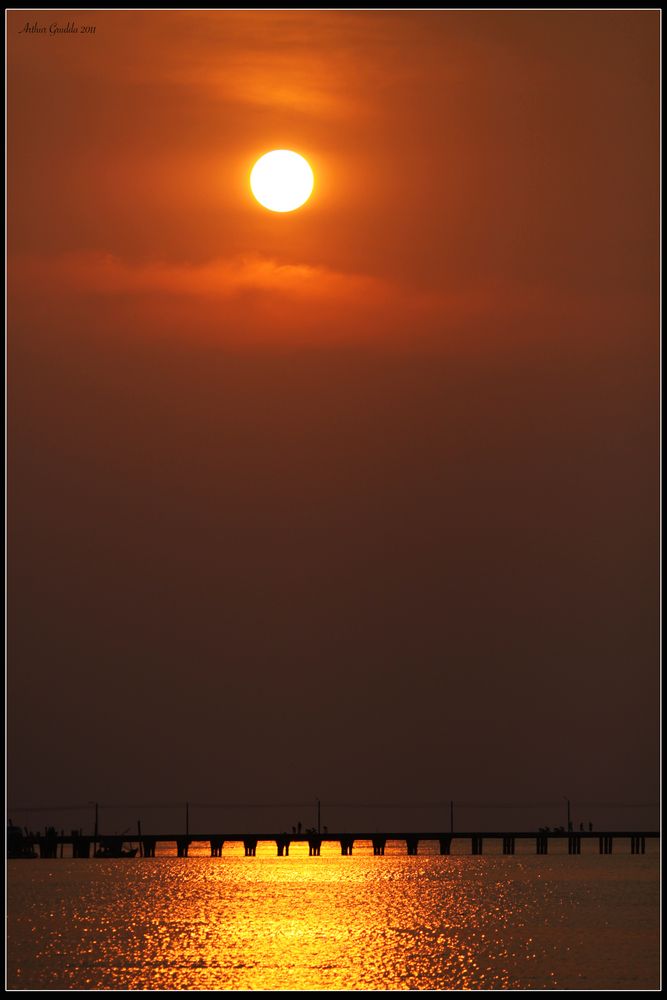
334 923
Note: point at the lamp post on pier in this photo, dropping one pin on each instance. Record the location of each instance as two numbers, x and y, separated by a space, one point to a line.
96 830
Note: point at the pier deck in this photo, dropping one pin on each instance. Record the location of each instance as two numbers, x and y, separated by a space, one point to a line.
50 844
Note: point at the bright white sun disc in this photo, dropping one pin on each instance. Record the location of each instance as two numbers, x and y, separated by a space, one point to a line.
281 180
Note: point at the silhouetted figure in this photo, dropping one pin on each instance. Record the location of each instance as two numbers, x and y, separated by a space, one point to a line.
293 829
569 826
590 827
581 827
326 829
298 827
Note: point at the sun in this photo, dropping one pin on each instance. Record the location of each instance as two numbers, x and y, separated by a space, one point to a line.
281 180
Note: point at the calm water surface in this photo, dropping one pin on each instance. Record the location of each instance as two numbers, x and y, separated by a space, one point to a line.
334 923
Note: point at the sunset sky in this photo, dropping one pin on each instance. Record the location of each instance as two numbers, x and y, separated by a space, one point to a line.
360 501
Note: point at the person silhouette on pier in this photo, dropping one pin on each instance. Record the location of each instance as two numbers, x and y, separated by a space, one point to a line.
590 827
298 827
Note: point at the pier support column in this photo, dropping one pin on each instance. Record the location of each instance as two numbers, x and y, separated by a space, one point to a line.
346 845
445 845
182 845
216 846
606 844
477 844
48 844
149 846
250 846
508 845
412 844
542 844
315 846
574 844
81 847
637 845
379 844
282 844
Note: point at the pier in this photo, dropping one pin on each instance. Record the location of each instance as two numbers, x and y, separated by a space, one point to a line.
50 844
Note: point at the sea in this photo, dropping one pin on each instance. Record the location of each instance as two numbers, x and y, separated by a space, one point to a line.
426 922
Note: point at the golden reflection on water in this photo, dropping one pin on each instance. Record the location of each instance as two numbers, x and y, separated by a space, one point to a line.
294 923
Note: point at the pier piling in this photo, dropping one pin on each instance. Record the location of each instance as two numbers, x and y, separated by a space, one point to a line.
250 846
379 844
149 846
606 843
412 844
216 846
346 845
282 844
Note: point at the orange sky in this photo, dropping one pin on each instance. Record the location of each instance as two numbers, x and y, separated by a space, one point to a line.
413 424
470 166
